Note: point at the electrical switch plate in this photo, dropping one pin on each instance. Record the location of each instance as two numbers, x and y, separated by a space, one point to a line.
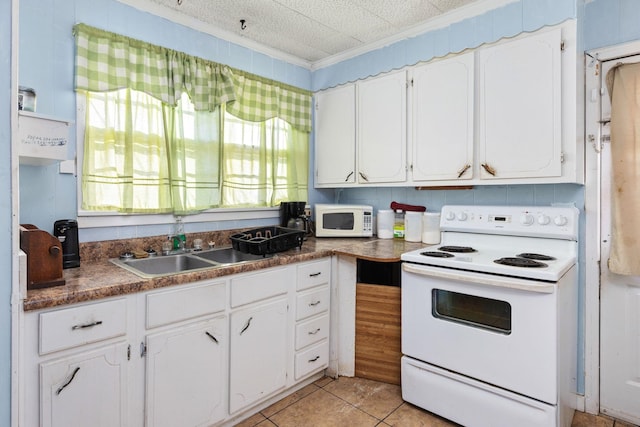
68 166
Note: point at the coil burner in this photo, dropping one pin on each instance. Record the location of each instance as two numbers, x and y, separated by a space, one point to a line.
520 262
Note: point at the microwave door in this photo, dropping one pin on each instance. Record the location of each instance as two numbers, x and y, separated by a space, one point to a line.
338 221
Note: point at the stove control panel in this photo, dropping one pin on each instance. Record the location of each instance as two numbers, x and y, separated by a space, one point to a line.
560 222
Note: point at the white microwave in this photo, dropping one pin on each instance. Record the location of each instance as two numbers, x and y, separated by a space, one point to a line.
344 220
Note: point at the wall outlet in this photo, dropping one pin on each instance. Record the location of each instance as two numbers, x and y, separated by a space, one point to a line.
307 211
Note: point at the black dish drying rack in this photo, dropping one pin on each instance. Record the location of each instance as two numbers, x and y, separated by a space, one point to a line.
267 240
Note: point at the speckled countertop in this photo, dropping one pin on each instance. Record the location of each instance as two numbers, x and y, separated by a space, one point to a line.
99 278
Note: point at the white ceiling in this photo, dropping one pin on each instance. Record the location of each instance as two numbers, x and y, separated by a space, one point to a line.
310 30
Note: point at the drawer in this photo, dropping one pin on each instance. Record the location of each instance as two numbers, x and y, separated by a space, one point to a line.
314 274
312 331
314 301
259 286
185 303
72 327
312 360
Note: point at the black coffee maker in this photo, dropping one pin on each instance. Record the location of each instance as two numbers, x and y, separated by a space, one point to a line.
292 215
66 230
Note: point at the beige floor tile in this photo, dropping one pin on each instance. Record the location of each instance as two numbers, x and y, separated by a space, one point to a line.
581 419
619 423
322 409
323 381
266 423
373 397
252 421
292 398
408 415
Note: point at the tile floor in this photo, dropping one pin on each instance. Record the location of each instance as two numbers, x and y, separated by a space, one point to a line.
357 402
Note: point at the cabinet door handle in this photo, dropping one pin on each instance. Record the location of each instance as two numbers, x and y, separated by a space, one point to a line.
73 375
463 170
491 171
246 326
313 304
315 274
348 176
363 176
86 325
314 359
211 336
314 332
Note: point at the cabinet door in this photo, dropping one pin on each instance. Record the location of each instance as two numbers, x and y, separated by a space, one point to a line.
335 138
382 129
520 108
258 357
89 389
186 376
442 119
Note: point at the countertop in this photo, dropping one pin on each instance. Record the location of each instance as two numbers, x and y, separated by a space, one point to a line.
102 279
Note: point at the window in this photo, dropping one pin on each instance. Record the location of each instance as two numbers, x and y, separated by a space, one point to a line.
181 134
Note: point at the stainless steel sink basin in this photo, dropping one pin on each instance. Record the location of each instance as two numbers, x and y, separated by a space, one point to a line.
180 263
229 256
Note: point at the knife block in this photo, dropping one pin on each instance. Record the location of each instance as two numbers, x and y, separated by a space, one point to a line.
44 257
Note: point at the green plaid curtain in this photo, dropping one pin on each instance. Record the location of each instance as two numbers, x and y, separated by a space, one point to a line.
107 61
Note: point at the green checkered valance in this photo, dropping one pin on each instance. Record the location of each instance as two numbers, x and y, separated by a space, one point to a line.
106 61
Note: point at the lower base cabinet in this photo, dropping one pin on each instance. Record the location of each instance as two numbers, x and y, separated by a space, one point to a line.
187 355
88 389
258 366
186 375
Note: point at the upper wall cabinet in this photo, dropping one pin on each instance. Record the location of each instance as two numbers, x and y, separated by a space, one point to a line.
382 129
335 136
502 114
442 119
519 112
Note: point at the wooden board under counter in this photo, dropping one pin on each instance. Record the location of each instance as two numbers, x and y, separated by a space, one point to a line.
378 352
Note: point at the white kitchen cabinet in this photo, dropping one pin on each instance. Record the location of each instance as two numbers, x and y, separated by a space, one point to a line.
186 375
382 129
259 349
191 355
85 389
519 112
335 136
312 318
442 119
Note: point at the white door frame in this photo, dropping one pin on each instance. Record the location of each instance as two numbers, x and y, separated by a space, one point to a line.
593 69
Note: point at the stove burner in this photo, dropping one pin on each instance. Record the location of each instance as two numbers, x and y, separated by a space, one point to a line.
456 249
537 257
519 262
437 254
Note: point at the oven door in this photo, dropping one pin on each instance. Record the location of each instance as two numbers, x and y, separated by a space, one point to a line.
495 329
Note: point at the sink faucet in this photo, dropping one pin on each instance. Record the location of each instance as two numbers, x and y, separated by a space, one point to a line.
178 237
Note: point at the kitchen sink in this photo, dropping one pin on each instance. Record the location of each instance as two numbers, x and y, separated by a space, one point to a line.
181 263
229 256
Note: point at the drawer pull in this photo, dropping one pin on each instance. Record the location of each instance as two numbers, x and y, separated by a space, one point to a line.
314 332
211 336
86 325
315 274
73 375
246 326
314 359
313 304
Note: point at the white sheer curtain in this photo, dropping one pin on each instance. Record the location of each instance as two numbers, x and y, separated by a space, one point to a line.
623 83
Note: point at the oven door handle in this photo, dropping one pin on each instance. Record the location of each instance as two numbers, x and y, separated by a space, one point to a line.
480 278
